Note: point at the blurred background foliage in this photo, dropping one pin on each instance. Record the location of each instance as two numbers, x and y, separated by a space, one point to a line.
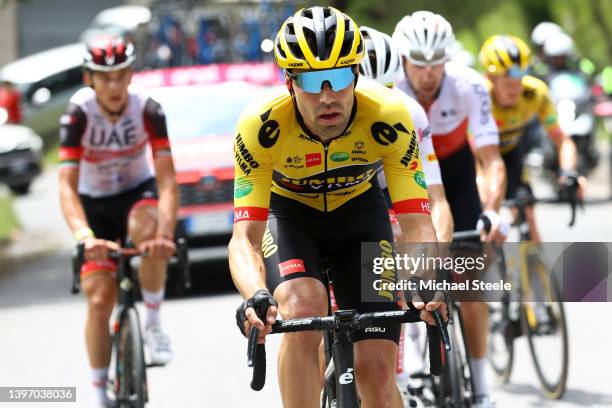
589 22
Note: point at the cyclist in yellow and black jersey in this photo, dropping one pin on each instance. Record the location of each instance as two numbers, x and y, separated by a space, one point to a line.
306 162
517 98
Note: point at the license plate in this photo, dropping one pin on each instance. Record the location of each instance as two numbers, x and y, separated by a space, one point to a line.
217 222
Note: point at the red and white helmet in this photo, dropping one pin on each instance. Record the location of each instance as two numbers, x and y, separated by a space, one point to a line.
108 53
382 61
424 38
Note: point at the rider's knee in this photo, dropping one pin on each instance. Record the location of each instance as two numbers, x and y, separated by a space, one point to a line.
377 374
101 296
296 307
298 298
142 223
101 306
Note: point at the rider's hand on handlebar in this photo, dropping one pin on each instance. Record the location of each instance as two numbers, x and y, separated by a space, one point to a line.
437 303
158 248
492 228
582 184
246 316
97 249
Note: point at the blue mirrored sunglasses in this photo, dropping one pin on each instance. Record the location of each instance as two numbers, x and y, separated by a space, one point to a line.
312 81
516 72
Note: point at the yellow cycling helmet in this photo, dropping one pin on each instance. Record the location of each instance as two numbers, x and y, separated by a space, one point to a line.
505 54
318 38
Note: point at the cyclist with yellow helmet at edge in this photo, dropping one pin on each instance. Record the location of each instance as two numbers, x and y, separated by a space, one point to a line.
517 98
306 161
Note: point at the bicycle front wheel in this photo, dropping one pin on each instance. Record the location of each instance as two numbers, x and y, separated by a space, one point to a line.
501 341
454 389
130 378
544 323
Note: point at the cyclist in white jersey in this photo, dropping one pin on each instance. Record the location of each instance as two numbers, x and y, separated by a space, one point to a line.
108 192
382 63
456 101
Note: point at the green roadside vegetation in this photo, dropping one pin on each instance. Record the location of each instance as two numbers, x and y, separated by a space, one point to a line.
588 22
51 156
8 219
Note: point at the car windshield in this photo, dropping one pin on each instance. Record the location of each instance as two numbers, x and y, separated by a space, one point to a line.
194 112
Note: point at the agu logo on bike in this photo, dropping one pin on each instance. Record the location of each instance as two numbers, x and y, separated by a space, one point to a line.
242 188
419 177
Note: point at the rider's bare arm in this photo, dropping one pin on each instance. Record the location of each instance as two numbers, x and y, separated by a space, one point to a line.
416 228
440 213
245 257
168 196
494 172
566 149
70 201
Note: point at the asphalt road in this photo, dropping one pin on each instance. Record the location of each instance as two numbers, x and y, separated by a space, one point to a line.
41 324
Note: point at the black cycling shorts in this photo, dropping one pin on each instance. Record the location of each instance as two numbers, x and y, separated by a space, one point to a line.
298 237
459 179
108 216
514 160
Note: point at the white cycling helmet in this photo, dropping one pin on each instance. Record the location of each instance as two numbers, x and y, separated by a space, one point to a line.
542 31
424 38
558 45
382 61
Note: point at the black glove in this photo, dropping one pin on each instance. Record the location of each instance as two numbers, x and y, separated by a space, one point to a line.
261 301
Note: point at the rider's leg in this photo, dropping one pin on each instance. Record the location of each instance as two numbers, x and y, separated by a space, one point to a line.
100 290
375 364
298 362
475 316
142 225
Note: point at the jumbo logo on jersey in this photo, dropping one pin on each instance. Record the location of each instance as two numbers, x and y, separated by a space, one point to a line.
269 131
386 134
244 159
337 179
412 152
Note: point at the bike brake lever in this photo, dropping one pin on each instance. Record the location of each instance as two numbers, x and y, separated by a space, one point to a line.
442 329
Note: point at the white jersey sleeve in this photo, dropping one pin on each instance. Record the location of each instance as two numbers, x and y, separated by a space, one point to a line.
482 126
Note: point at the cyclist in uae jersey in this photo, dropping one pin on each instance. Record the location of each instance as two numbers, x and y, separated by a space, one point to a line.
108 192
456 101
306 162
517 99
382 63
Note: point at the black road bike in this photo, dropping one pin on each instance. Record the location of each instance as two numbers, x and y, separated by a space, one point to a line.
130 380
